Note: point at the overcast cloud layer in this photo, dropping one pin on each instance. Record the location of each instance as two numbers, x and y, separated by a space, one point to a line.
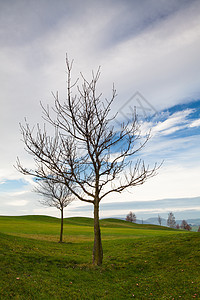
147 46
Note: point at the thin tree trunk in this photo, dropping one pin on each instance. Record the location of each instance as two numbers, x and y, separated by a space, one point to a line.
61 228
97 250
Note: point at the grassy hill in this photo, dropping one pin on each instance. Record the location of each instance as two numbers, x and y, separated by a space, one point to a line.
140 261
76 228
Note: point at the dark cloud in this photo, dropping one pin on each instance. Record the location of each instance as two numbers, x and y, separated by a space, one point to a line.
182 208
24 21
168 204
136 17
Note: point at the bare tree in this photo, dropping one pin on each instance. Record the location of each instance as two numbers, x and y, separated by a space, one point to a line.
88 148
185 225
159 220
171 220
198 229
188 227
131 217
55 194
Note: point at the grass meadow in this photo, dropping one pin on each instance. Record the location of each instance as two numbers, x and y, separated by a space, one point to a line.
140 261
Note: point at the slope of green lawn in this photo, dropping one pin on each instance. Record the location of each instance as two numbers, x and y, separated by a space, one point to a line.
47 228
140 262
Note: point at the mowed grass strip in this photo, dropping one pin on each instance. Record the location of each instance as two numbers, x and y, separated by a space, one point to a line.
165 266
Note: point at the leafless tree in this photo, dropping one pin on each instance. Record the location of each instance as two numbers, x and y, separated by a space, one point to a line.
55 194
159 220
131 217
88 148
198 229
171 220
188 227
185 225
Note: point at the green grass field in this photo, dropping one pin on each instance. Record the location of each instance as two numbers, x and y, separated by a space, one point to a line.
140 261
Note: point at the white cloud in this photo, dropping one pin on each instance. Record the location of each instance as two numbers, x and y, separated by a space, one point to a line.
195 123
16 194
170 124
114 156
18 203
173 123
172 130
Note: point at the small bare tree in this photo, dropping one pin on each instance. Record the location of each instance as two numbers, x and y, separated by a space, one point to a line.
88 148
159 220
171 220
188 227
185 225
55 194
131 217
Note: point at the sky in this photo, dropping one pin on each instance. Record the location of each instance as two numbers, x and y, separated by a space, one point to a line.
148 49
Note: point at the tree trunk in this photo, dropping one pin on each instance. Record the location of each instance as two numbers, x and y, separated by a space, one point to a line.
97 250
61 227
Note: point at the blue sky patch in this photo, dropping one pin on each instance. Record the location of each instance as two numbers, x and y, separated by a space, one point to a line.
178 121
12 185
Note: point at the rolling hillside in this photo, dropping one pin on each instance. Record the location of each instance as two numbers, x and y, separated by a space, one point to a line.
140 261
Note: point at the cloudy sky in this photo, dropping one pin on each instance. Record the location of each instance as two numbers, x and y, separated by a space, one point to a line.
149 49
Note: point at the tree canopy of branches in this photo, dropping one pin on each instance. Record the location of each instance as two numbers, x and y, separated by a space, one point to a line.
171 220
55 194
131 217
88 148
